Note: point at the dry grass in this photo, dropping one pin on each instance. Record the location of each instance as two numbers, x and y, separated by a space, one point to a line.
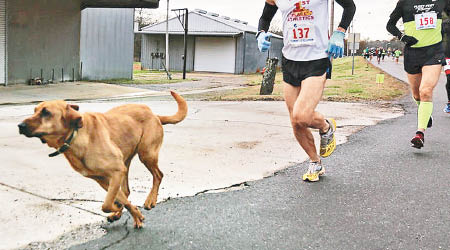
362 85
150 77
343 86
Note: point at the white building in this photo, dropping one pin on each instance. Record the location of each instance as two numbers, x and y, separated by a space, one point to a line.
215 44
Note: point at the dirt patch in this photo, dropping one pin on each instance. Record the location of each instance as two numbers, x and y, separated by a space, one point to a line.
248 144
46 206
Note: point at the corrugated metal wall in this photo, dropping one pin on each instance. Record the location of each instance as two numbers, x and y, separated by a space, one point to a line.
197 23
107 43
43 35
157 44
3 42
240 45
255 60
248 57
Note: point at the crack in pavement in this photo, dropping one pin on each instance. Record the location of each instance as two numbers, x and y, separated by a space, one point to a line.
61 201
124 225
241 186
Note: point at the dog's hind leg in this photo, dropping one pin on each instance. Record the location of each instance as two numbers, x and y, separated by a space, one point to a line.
148 151
152 165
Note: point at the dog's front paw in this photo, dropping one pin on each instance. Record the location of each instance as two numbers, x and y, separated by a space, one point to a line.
138 224
149 204
138 219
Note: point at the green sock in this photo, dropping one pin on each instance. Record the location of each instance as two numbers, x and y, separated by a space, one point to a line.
417 102
424 114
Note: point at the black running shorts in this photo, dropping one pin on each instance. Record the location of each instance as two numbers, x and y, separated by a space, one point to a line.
294 72
416 58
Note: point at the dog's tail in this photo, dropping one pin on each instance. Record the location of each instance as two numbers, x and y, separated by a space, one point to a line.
181 113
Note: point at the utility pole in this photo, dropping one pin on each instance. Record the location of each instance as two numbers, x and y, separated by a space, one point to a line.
354 48
167 38
185 24
332 18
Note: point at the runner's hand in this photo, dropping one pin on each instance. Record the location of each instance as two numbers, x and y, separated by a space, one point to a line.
409 40
263 41
336 44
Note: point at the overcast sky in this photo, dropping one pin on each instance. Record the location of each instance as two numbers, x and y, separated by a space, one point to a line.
370 18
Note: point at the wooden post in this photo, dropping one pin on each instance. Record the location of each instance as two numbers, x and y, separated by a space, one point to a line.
269 76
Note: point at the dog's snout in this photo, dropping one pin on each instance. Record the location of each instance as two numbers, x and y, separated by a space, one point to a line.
22 128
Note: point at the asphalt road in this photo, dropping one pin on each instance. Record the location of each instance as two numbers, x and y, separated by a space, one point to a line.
378 193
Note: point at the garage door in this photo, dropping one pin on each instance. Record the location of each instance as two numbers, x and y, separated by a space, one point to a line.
215 54
2 41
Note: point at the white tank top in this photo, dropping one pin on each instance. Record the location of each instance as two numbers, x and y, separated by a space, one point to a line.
305 29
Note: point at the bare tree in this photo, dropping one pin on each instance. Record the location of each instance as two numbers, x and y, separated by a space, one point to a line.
143 18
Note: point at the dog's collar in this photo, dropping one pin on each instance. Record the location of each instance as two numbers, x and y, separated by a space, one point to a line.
66 144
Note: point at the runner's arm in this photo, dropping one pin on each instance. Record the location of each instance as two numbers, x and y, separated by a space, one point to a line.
349 12
392 23
268 13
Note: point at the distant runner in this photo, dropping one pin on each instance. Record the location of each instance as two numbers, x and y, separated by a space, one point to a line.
424 53
397 54
379 53
366 53
305 66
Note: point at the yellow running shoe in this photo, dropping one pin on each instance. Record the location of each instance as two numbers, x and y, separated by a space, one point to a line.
327 140
315 170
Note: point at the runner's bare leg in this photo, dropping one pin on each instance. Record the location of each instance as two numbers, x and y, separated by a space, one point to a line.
430 78
302 102
423 84
414 83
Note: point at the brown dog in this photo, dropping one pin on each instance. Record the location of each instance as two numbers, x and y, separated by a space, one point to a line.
101 146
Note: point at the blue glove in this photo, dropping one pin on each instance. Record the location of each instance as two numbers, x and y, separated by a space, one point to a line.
263 41
336 44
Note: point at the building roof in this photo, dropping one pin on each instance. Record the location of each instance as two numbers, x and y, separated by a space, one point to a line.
119 4
203 23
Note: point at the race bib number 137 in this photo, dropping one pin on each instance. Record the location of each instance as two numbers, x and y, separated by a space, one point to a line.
301 35
426 21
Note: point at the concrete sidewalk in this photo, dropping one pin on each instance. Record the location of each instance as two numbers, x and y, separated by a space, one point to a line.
25 94
88 91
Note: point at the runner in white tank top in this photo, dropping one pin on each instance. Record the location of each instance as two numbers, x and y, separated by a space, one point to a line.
305 66
305 29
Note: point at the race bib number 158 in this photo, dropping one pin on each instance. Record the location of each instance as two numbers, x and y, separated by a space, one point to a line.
426 21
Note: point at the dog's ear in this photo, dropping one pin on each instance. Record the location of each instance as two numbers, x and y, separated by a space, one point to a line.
73 117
